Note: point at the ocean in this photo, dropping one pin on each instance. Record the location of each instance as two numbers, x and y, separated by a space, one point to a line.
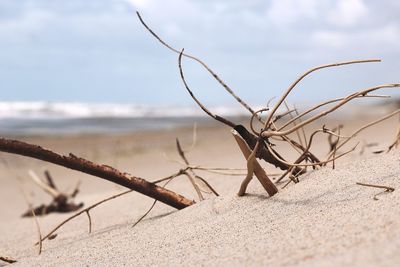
50 118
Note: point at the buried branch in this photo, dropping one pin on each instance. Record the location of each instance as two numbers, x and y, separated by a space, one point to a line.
61 201
105 172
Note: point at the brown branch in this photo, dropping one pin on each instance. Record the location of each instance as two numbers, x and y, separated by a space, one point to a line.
219 80
72 162
256 168
7 259
293 85
209 113
189 173
324 113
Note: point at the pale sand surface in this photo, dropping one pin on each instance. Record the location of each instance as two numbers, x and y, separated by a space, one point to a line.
325 220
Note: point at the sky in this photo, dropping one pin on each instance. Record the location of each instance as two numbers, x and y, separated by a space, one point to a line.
97 51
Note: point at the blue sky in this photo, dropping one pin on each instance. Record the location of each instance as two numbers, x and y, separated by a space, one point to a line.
97 51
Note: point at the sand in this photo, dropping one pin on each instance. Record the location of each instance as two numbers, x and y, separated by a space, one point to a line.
325 220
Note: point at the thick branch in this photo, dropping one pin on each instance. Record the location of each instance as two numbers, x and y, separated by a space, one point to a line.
105 172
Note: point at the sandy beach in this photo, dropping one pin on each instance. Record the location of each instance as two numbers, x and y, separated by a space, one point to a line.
324 220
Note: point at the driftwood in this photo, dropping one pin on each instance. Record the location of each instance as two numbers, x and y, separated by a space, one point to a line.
61 202
268 185
105 172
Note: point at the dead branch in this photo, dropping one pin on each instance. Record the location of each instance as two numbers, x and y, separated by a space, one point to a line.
86 210
219 80
7 259
324 113
105 172
189 173
255 167
365 127
299 116
216 117
61 201
291 87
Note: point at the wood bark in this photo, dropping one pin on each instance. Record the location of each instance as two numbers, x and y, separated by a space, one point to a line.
105 172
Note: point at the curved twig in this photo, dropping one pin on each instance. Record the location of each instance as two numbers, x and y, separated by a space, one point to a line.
220 81
363 128
216 117
283 97
324 104
324 113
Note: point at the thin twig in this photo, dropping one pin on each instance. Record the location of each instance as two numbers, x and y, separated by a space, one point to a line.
324 113
81 212
219 80
189 173
216 117
365 127
7 259
291 87
387 189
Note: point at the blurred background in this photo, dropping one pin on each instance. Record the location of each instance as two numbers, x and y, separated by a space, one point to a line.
93 60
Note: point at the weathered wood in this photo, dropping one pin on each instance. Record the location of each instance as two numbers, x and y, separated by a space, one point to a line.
105 172
268 185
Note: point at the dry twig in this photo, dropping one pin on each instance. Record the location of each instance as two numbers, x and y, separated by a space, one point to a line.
388 189
7 259
105 172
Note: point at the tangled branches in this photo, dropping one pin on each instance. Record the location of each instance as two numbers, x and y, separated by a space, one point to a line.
261 143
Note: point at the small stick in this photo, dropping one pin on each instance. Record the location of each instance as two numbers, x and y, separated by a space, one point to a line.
46 187
387 189
268 185
189 173
49 179
365 127
7 259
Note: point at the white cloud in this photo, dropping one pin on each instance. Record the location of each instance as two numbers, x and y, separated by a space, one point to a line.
348 13
332 39
283 12
27 23
140 4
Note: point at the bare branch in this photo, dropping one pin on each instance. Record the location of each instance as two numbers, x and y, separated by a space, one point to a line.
219 80
105 172
216 117
322 114
291 87
7 259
